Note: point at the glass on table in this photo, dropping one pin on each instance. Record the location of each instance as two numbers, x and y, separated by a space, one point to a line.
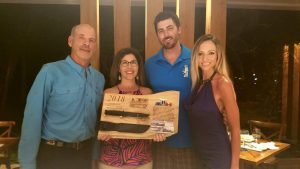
256 133
243 132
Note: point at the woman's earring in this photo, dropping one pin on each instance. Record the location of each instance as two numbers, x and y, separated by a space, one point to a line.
137 78
119 77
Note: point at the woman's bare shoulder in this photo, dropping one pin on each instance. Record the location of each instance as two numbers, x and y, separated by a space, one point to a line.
224 87
146 90
223 82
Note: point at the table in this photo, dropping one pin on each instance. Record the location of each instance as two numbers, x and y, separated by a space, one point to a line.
256 157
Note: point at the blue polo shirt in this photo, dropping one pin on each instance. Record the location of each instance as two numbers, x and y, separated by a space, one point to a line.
62 105
162 76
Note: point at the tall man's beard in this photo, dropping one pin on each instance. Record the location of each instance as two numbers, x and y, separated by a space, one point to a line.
171 44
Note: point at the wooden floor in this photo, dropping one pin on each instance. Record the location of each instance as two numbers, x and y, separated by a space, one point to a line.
288 163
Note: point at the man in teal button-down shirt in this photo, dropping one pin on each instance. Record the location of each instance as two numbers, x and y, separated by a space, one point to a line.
61 110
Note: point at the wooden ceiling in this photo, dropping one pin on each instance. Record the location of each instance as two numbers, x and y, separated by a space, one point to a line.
248 4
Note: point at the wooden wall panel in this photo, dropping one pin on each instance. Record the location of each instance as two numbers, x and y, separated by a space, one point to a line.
285 80
185 9
295 93
89 13
122 24
152 8
216 18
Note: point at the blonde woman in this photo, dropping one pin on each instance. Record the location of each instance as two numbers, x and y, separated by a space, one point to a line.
212 98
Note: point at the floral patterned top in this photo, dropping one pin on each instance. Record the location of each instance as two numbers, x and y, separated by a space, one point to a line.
126 152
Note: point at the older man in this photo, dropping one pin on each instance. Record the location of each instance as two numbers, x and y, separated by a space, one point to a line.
61 110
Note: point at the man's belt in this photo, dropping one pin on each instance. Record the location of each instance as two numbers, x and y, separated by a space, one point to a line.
74 145
125 114
123 127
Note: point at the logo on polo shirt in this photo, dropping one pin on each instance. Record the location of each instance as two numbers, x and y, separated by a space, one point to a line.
185 71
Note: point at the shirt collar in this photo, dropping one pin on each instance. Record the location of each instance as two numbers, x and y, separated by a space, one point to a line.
183 55
79 69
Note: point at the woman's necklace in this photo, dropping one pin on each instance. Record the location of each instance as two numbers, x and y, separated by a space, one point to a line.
205 81
136 88
209 79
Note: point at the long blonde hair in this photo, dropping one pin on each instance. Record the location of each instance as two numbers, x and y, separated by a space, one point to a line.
221 65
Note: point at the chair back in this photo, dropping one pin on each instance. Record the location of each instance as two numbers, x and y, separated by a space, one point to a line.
6 128
269 130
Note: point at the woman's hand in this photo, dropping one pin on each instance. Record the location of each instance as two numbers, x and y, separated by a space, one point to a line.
159 137
103 137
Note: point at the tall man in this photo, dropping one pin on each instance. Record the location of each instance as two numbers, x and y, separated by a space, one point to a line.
169 69
61 110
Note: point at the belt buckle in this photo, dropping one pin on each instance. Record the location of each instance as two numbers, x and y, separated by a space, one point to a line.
51 142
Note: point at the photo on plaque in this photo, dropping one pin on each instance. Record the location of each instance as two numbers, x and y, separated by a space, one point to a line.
139 116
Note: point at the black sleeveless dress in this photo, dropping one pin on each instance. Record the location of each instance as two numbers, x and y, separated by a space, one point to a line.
209 133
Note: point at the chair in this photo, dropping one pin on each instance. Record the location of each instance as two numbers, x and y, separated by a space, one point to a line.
6 141
6 127
269 131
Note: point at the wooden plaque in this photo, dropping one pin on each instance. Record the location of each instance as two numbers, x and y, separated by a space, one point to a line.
139 116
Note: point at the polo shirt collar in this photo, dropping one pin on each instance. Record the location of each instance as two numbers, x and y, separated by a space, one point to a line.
183 55
79 69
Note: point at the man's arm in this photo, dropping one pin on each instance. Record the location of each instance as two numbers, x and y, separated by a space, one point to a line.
32 121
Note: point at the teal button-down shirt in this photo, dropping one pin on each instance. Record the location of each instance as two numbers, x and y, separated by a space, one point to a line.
62 105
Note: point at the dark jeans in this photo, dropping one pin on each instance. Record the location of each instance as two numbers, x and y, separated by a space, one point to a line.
51 157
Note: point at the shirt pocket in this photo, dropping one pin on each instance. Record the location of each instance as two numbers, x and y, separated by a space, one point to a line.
66 101
69 94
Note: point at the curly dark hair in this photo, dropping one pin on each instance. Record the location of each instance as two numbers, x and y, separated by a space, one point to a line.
114 73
